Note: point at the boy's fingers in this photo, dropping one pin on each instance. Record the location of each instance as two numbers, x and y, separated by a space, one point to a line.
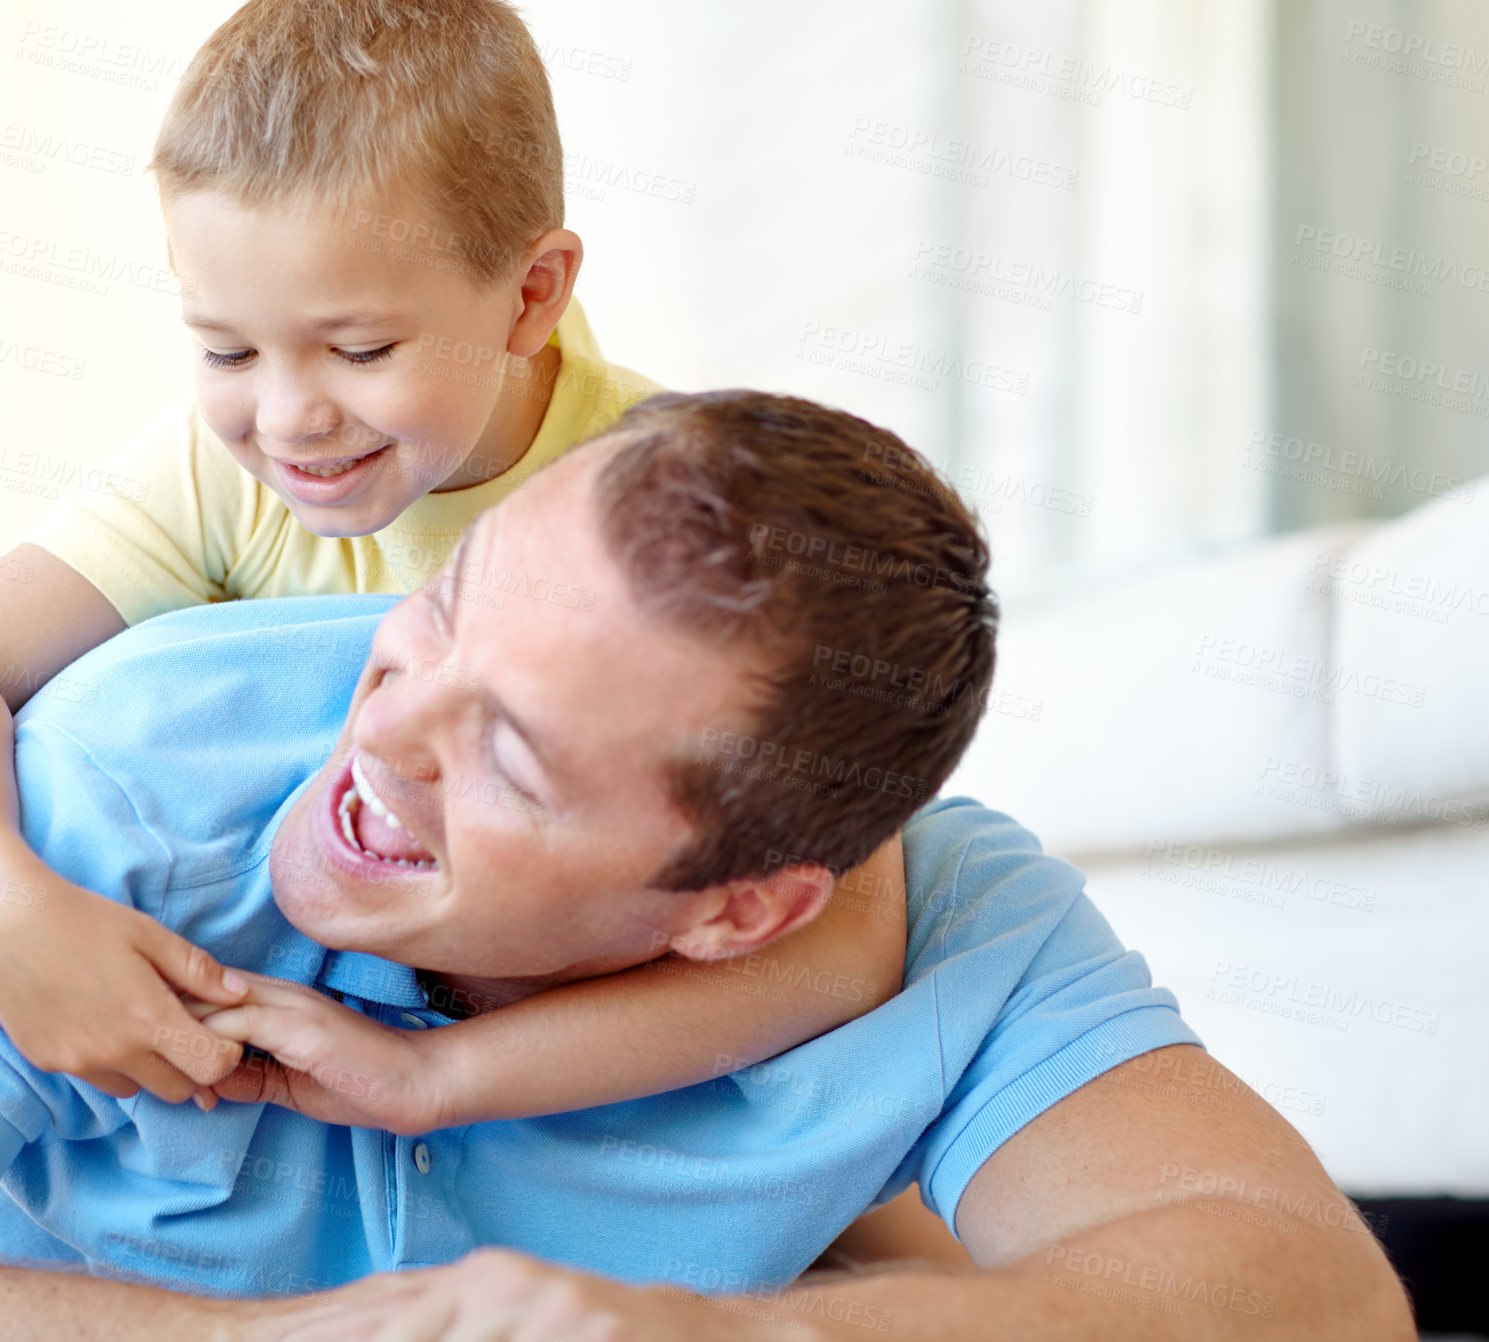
280 992
236 1023
262 991
191 969
252 1082
191 1048
277 1031
219 1065
164 1082
111 1083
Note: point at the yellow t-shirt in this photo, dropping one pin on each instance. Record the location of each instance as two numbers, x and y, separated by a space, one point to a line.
177 522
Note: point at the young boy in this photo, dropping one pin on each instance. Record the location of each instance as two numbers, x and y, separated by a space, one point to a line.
364 202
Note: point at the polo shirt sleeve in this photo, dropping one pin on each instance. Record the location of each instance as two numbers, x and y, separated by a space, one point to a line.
74 814
1079 1005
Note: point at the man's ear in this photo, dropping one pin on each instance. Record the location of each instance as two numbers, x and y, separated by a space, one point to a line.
549 268
757 910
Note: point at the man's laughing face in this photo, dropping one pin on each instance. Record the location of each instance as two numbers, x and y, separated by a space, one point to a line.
497 802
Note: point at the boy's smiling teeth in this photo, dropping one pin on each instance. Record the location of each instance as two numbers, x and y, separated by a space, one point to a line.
331 468
361 793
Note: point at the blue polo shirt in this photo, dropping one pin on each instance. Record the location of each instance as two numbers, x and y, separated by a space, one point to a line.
156 771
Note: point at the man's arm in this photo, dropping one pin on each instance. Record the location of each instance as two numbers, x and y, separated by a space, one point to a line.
1161 1200
41 1306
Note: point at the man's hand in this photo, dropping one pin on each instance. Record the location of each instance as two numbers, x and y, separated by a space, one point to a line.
493 1295
329 1062
92 988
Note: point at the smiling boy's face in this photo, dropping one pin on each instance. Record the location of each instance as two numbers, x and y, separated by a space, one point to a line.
330 357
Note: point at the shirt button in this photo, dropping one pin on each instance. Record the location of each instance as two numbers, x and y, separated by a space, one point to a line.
421 1158
410 1019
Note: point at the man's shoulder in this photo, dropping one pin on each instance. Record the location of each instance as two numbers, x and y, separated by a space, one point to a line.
1034 993
950 825
167 668
189 730
972 875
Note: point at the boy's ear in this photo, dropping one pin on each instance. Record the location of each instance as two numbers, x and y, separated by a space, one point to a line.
756 911
550 267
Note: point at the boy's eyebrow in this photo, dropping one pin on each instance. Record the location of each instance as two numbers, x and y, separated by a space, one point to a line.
360 319
202 322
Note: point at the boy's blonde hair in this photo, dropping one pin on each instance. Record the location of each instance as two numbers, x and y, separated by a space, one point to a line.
339 100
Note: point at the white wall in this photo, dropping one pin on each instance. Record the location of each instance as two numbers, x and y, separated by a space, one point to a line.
812 163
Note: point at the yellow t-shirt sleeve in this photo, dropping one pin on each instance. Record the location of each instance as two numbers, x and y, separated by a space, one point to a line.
172 520
157 527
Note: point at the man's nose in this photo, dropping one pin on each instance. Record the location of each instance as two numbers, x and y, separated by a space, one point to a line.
293 408
403 721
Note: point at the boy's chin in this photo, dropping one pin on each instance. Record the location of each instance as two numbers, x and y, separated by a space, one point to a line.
344 521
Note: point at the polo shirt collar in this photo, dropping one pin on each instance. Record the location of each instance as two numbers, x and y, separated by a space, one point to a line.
373 979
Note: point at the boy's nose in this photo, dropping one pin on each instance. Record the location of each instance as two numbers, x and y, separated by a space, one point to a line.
293 413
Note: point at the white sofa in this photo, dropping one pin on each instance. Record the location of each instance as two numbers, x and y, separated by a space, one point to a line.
1273 766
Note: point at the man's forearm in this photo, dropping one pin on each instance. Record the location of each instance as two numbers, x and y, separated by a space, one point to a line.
42 1306
1163 1274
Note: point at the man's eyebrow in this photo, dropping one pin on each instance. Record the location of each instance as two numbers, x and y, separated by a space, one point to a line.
531 739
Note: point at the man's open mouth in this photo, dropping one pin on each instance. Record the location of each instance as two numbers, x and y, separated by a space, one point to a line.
373 829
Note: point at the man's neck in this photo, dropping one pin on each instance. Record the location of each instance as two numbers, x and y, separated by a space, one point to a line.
462 995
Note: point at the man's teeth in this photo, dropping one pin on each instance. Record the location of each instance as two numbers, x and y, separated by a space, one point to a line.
361 792
374 803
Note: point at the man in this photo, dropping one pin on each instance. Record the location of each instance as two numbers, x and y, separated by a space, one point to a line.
664 744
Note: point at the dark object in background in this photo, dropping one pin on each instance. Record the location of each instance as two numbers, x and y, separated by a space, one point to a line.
1439 1246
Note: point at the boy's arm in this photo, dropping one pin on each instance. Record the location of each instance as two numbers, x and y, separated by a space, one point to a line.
661 1026
85 983
51 616
674 1022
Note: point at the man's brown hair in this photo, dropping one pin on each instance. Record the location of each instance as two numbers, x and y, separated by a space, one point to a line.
340 100
833 553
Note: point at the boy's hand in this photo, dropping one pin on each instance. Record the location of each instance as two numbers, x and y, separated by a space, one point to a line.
10 808
329 1062
86 985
